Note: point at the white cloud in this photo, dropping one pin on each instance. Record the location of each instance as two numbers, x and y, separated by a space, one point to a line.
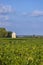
37 13
5 23
4 9
34 13
5 17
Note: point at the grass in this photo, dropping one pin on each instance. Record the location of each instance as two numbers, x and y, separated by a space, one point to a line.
21 51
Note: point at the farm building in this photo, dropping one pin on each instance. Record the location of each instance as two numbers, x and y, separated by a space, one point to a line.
13 35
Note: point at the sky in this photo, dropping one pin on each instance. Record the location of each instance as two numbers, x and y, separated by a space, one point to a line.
25 17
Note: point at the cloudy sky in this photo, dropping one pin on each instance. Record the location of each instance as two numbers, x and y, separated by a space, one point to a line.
25 17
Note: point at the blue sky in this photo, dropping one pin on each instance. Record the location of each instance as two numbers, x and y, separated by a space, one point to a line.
25 17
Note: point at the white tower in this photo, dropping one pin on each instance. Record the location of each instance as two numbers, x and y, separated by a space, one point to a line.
13 35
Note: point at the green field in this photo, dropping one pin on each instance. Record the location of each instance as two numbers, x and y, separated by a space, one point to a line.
23 51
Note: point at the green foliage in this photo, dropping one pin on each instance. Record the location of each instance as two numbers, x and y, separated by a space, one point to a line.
3 32
9 34
21 51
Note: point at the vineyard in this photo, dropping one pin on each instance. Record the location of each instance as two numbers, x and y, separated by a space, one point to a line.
27 51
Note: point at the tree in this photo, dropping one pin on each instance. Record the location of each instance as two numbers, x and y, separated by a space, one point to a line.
3 32
9 34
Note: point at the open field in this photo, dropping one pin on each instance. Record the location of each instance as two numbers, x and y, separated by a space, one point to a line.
21 51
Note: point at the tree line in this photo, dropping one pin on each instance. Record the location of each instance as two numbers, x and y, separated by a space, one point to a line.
4 33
